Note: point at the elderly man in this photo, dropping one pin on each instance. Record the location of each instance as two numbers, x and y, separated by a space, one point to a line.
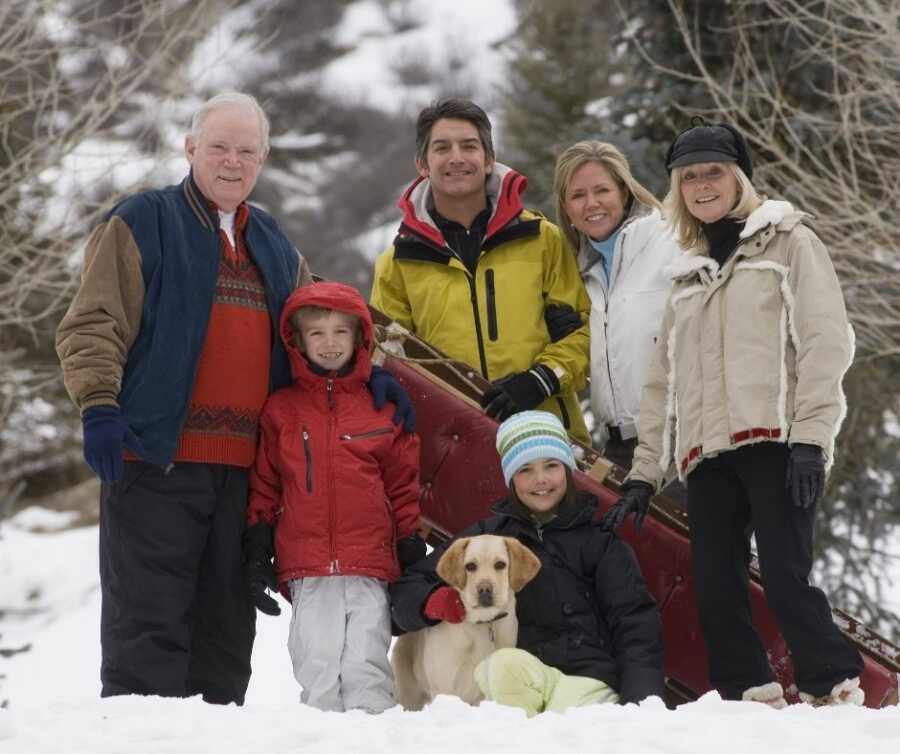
168 350
480 277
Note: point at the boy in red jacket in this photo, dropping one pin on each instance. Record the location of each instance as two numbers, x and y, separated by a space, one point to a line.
334 496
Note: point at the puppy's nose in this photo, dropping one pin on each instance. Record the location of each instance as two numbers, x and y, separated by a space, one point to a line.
485 594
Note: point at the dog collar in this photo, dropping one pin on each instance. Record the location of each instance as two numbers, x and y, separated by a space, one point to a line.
497 617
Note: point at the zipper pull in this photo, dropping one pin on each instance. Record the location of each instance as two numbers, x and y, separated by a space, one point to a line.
329 386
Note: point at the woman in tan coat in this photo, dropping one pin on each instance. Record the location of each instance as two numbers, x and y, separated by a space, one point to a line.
744 396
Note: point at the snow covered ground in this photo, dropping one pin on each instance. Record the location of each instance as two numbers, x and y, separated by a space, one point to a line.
49 598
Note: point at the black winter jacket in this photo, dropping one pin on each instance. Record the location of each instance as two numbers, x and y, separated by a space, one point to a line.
587 612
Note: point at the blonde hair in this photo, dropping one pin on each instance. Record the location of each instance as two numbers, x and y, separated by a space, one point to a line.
605 154
688 229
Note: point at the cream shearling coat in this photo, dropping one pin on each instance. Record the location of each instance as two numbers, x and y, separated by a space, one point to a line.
755 351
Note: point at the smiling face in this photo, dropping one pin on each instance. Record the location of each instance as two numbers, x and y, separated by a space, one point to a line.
328 340
541 484
455 162
594 202
709 190
226 155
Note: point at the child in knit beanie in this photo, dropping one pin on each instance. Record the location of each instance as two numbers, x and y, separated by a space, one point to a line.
589 632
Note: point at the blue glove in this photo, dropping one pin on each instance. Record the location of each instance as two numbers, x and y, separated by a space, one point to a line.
105 432
385 388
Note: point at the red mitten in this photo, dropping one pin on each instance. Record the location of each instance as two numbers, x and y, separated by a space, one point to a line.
444 604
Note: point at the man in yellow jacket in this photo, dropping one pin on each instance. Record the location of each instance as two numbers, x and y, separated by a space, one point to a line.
481 278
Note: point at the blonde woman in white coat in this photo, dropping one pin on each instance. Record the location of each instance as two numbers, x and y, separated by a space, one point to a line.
744 396
623 247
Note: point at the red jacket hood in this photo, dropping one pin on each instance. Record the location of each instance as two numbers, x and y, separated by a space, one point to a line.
337 296
504 189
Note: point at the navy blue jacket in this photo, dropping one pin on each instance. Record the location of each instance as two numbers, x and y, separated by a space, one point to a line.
180 248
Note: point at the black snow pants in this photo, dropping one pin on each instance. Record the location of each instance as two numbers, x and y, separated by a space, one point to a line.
729 497
176 616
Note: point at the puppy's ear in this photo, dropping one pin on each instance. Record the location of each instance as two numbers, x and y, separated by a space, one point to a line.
451 566
523 564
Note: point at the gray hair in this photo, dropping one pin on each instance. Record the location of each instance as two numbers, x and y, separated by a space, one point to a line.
233 99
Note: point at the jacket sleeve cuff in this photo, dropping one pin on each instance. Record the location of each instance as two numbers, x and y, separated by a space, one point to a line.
639 683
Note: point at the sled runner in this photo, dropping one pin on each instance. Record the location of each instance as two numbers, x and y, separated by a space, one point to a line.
461 478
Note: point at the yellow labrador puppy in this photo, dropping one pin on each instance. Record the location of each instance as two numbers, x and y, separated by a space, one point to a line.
487 571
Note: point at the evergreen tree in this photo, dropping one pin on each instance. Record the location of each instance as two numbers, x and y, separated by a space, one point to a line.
563 73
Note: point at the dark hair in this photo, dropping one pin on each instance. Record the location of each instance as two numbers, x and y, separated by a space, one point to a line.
452 107
567 499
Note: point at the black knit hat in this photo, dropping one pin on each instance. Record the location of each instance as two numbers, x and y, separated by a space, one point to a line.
709 142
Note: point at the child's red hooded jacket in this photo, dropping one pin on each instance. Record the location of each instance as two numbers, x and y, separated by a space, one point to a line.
337 479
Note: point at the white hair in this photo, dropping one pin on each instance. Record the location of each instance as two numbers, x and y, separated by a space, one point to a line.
232 99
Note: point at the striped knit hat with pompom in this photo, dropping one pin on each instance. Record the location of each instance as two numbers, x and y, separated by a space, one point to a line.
528 436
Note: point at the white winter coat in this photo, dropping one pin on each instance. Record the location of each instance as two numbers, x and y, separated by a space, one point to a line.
625 317
753 352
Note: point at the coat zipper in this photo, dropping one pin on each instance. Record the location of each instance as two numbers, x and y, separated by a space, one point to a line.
335 566
479 336
612 391
307 451
371 433
491 304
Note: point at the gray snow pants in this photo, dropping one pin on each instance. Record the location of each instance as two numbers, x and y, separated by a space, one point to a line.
339 638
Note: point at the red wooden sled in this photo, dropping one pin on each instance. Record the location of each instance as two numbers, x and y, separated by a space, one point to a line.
461 478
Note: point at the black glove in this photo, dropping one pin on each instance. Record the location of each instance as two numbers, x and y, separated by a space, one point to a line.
385 387
519 392
561 320
635 499
410 550
258 552
805 476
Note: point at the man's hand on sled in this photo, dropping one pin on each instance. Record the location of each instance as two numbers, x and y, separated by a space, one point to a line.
519 392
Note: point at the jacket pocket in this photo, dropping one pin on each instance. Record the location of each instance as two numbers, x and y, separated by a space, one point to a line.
366 435
491 304
307 454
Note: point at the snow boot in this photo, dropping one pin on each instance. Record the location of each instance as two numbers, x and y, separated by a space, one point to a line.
845 692
769 693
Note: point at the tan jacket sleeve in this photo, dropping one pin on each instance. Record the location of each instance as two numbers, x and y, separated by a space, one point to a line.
304 274
96 333
823 341
652 456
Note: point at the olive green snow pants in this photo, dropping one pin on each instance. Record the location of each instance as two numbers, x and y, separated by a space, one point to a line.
517 678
